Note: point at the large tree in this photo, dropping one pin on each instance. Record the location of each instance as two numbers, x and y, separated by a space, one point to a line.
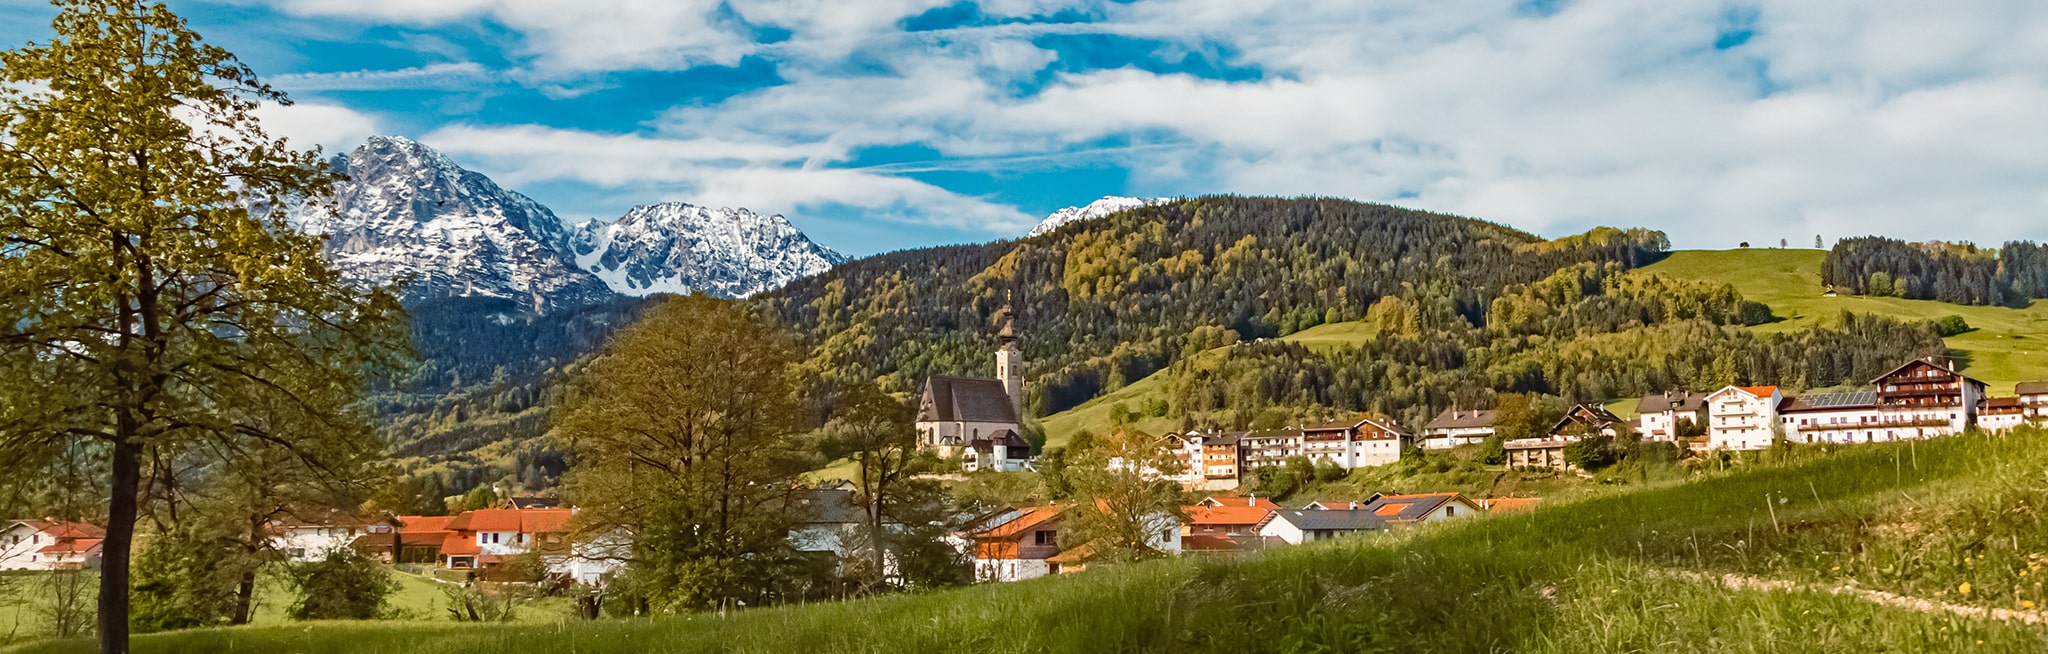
683 437
145 309
1125 498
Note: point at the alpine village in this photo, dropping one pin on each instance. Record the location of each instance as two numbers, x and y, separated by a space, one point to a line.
259 397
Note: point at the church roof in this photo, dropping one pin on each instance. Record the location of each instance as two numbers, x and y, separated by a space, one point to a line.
963 399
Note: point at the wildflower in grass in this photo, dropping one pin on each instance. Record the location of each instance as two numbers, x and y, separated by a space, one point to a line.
2027 604
1964 589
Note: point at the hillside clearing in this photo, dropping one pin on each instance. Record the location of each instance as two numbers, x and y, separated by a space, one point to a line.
2008 345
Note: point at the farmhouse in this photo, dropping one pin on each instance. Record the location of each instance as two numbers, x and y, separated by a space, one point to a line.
977 419
304 540
1585 420
1928 398
1833 418
415 538
1359 443
1659 416
2001 414
2033 397
1209 461
486 538
1016 545
49 545
1742 417
1234 517
1456 427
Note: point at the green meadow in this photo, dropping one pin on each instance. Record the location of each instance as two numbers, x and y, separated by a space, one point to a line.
2008 345
1934 546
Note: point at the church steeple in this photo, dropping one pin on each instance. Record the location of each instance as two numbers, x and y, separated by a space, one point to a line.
1010 360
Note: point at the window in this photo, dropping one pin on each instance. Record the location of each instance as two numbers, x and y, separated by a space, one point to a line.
1045 537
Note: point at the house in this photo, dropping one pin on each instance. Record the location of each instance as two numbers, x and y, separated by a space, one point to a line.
50 544
1269 448
1209 461
1303 526
1002 451
1929 396
2033 396
1742 417
2001 414
1358 443
1659 415
485 538
1585 420
832 521
417 538
1227 518
1850 417
312 540
1017 545
961 415
1405 509
1456 427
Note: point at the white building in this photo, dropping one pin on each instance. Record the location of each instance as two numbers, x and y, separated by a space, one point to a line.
302 541
2001 414
1742 417
1456 427
1658 415
49 545
2034 398
1359 443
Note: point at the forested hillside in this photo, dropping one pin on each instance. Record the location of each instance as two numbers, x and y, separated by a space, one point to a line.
1957 273
486 375
1106 302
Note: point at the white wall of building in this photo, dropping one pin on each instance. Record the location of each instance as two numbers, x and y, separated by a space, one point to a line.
1738 420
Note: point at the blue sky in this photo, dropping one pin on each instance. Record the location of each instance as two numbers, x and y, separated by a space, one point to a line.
884 124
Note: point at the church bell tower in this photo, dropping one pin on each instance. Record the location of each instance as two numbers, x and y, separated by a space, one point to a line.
1010 360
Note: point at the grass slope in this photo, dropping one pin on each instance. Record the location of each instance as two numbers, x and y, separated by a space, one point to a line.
1955 523
2009 345
1094 415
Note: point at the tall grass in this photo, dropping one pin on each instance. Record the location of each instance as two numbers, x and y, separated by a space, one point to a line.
1595 574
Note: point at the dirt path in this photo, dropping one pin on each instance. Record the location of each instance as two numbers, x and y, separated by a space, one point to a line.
1894 600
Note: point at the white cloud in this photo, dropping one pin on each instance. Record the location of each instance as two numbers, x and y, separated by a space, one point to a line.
304 125
1913 119
432 75
761 176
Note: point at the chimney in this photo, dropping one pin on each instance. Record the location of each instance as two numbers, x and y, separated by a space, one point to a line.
1354 506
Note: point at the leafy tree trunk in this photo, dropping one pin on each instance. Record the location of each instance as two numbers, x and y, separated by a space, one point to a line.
120 542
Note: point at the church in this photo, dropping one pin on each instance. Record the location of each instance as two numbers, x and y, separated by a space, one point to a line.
977 420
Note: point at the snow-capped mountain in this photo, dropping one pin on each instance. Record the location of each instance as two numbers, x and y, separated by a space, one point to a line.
408 213
1096 209
681 248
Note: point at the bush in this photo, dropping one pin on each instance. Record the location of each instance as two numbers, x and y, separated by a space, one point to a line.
1590 453
1493 451
1327 471
1951 326
344 586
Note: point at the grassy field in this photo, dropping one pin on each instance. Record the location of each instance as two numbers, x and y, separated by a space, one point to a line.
24 614
1094 415
1780 552
2009 345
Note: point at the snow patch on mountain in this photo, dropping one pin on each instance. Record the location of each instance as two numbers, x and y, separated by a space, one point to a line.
682 248
408 214
1097 209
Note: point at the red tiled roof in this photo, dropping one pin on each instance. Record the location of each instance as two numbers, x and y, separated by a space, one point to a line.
73 546
420 524
458 544
1759 391
525 521
1240 501
1032 518
61 529
1228 515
